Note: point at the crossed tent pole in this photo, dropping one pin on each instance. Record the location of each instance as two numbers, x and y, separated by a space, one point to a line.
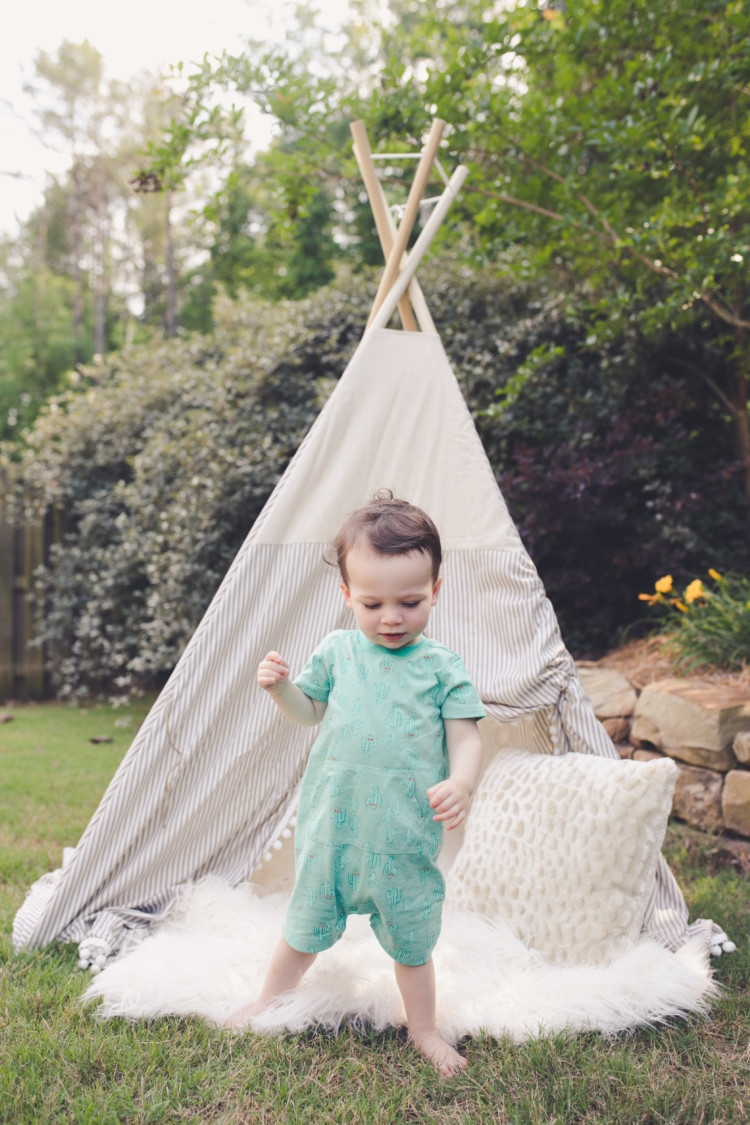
399 287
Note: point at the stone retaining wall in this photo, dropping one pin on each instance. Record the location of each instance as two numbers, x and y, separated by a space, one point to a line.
704 727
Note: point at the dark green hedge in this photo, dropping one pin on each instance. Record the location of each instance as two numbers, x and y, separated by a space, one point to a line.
615 465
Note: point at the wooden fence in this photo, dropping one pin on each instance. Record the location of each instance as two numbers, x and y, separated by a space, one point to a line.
22 550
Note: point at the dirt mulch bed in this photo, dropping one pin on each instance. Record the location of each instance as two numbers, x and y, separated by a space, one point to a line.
648 659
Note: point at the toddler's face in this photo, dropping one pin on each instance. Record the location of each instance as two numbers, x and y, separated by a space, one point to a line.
390 595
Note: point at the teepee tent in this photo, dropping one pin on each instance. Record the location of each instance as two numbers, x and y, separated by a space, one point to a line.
208 785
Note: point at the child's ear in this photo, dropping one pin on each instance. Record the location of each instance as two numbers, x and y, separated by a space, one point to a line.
345 591
436 590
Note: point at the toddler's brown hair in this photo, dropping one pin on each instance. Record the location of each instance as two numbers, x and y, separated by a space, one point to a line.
390 527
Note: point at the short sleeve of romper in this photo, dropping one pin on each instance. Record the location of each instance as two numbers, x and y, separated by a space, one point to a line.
363 811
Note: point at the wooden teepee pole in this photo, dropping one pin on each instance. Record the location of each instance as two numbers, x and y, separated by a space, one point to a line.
419 249
386 228
381 214
424 169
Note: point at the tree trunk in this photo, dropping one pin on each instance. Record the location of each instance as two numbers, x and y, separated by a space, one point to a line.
77 272
171 284
741 420
40 356
100 304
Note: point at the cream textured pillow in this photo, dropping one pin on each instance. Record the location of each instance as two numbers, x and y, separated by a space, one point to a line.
565 848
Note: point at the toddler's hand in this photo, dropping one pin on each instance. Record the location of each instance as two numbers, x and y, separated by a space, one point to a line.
450 801
272 673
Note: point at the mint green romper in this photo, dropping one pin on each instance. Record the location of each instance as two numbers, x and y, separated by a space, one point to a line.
365 839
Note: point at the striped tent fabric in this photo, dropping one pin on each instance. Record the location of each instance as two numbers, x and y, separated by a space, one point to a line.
209 783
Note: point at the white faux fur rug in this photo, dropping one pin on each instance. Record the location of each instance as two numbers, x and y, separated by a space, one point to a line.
209 957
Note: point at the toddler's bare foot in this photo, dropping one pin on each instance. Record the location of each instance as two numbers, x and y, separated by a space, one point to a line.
239 1020
434 1048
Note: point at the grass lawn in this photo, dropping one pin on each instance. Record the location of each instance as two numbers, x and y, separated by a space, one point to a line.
58 1063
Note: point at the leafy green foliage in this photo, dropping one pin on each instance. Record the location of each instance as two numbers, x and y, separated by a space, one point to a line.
161 465
620 130
610 140
282 219
607 143
70 282
37 343
255 249
164 456
609 460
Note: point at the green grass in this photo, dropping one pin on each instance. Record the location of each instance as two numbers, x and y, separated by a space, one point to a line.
51 779
58 1063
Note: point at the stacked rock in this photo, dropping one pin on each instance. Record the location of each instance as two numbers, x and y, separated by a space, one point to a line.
703 726
614 700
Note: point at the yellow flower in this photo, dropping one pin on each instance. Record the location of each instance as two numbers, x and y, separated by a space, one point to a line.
650 598
694 590
664 585
714 574
681 606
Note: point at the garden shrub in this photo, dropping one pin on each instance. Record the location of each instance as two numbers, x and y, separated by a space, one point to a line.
613 467
162 466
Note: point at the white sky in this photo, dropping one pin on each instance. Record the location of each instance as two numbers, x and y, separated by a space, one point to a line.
132 36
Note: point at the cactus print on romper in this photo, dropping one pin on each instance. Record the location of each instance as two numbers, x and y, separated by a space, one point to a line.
365 840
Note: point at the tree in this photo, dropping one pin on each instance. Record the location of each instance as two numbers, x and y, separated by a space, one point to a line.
607 141
610 140
70 108
36 308
71 283
281 218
